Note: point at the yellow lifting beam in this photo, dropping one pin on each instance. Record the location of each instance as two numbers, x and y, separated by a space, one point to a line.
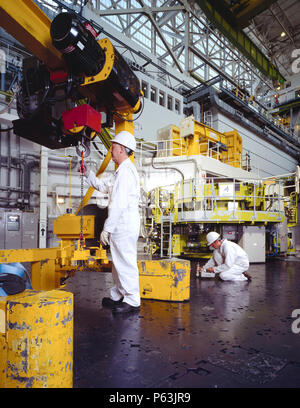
49 265
26 22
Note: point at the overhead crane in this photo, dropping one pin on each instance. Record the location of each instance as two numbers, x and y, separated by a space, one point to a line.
71 80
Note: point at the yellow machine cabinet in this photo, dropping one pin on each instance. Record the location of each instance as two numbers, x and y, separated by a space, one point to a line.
234 154
169 142
67 226
165 279
36 340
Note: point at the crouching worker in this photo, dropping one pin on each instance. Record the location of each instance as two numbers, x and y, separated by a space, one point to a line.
229 260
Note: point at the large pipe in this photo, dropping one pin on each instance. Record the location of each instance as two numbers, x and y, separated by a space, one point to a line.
56 162
167 168
27 168
11 163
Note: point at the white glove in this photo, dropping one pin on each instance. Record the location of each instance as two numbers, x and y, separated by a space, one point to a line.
104 238
84 170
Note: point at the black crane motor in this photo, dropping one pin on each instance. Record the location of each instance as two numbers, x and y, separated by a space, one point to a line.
78 44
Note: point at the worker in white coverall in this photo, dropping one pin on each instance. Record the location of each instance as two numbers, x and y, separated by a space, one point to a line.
122 226
229 260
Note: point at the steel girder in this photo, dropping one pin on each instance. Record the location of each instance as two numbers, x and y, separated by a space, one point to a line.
178 34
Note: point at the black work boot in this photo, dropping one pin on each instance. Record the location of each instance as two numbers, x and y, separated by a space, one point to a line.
108 302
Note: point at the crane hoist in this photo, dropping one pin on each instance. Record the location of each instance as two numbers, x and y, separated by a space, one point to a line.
70 82
71 79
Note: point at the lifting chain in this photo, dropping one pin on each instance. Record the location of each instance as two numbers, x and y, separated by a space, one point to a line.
82 171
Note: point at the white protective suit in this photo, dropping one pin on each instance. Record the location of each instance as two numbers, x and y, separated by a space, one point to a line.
123 224
230 261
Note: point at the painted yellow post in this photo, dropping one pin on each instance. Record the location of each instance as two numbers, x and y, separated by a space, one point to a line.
124 123
36 340
43 275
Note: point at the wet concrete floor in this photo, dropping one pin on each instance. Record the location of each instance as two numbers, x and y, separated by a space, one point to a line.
230 334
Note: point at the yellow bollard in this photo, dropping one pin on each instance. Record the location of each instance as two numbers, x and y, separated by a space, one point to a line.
36 340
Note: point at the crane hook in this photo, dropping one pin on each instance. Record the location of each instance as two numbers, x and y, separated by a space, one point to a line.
82 149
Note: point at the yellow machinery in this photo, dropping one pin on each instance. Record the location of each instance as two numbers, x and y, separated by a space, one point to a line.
291 207
196 138
291 213
183 212
51 266
199 138
233 155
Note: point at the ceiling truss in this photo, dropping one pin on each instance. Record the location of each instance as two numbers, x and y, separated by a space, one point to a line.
178 34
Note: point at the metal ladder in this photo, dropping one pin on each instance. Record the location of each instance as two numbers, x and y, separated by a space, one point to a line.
166 237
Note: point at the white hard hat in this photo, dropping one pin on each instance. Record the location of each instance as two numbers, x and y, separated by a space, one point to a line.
211 237
126 139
